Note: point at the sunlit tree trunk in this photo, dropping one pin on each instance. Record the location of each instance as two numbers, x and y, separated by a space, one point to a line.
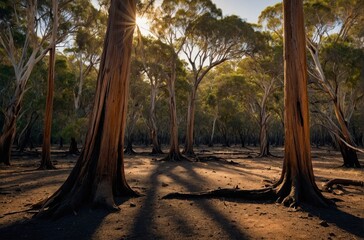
188 150
99 175
297 181
46 162
174 153
156 147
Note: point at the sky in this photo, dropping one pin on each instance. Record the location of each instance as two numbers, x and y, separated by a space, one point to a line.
248 10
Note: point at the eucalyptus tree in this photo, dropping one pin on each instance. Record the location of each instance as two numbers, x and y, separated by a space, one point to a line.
25 31
328 23
46 162
137 102
99 175
153 60
86 47
297 183
24 43
264 76
169 28
211 40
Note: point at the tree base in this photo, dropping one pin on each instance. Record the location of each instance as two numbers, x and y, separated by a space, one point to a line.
156 151
175 157
46 167
129 151
189 153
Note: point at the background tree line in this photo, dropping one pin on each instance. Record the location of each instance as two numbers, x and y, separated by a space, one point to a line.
200 78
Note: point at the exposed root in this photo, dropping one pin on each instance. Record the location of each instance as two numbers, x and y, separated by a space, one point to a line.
290 201
214 158
327 187
175 157
46 167
259 194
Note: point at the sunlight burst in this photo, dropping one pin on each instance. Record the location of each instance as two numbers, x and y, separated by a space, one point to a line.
143 24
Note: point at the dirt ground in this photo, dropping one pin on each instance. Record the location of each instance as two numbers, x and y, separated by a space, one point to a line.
150 217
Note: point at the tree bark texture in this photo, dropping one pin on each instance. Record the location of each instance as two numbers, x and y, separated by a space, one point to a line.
46 162
98 175
297 182
156 147
263 139
174 153
188 150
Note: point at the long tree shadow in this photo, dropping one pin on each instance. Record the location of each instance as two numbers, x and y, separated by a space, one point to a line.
144 223
343 220
336 216
80 226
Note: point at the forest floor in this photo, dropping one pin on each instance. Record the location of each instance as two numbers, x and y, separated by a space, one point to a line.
150 217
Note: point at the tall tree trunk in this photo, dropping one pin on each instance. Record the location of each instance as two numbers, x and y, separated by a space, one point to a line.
174 153
129 145
297 182
46 162
211 143
9 127
156 149
349 155
24 136
188 150
78 92
263 139
99 175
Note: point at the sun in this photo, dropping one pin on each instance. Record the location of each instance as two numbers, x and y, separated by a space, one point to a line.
143 24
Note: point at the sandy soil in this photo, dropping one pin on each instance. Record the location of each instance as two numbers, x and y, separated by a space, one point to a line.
150 217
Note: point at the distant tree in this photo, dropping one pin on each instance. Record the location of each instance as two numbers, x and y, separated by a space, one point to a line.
165 27
99 175
25 30
263 75
210 41
153 61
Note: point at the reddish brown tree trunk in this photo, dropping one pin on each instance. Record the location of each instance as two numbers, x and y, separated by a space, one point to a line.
98 175
297 181
46 162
